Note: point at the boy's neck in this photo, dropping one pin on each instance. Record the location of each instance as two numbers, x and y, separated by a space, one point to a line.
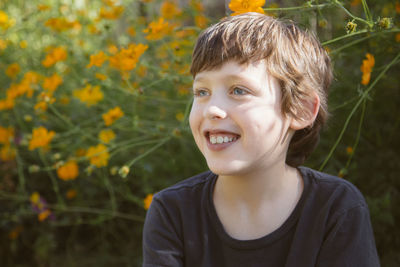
259 187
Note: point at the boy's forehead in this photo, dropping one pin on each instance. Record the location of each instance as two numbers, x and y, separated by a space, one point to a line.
232 70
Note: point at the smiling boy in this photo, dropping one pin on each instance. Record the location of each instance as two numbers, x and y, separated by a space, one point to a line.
260 88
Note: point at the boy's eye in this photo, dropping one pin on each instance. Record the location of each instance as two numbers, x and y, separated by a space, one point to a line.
239 91
200 92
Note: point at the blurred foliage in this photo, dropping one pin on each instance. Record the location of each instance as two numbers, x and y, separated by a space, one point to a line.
94 100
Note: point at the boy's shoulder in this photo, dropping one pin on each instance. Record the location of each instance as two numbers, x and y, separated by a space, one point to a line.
187 187
329 190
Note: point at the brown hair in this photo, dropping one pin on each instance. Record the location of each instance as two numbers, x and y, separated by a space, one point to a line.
293 56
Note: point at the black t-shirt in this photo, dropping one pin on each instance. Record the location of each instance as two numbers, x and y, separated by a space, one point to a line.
330 226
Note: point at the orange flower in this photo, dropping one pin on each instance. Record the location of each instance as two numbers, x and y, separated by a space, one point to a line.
112 115
55 55
7 153
158 29
169 10
97 59
41 137
98 155
7 103
355 2
349 150
68 171
147 201
71 194
126 59
366 68
13 70
6 134
51 83
43 215
113 13
243 6
15 232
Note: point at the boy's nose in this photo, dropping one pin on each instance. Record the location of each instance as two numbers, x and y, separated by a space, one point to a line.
214 112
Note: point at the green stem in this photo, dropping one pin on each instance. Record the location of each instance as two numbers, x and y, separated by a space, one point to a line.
366 10
369 23
311 7
21 177
53 180
351 44
110 213
125 147
162 142
364 104
363 96
110 189
343 37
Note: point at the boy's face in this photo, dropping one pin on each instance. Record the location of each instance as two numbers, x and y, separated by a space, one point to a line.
236 119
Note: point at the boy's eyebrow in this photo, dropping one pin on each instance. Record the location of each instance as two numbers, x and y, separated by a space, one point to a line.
228 77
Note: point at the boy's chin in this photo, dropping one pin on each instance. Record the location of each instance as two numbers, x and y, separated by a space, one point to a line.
229 169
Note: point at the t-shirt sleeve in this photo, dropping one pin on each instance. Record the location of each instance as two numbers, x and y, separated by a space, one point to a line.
350 241
161 243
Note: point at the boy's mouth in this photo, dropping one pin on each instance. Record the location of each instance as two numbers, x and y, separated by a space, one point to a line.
220 137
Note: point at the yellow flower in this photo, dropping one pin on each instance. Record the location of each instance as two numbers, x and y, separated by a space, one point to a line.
12 70
169 10
6 134
55 55
90 95
366 68
147 201
124 171
106 135
41 137
43 7
23 44
112 115
243 6
5 22
157 29
98 155
71 193
101 76
35 198
51 83
97 59
68 171
200 21
180 116
3 44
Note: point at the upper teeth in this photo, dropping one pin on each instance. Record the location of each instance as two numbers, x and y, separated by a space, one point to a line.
221 139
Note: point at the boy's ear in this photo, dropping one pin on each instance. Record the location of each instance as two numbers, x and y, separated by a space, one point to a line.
308 114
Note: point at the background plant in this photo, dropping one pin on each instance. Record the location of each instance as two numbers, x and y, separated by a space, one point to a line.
94 100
